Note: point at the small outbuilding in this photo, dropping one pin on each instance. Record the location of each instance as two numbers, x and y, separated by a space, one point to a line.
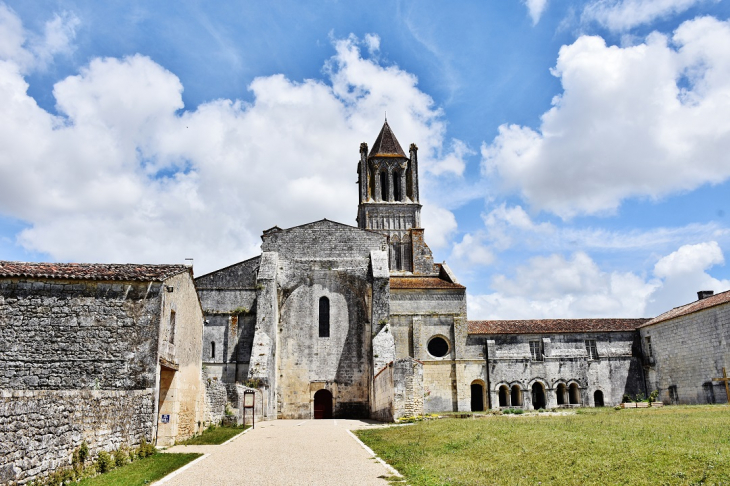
103 353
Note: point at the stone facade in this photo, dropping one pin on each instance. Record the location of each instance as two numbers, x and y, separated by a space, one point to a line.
685 348
95 353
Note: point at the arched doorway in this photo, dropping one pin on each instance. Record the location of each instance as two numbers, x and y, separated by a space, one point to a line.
598 398
574 394
538 396
477 397
503 396
323 404
516 396
560 393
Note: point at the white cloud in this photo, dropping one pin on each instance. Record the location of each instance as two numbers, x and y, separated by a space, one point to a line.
30 51
124 175
559 287
556 287
621 15
472 250
646 120
535 8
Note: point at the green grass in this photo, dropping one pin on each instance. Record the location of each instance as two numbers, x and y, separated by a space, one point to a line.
142 471
669 445
215 435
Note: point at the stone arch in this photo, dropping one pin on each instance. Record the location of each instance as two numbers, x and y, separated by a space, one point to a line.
516 395
504 396
574 393
561 393
478 396
539 394
396 255
397 189
384 185
323 402
324 317
598 398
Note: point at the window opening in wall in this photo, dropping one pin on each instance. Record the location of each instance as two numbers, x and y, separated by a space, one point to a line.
516 396
538 396
398 256
709 392
212 349
591 349
477 397
598 398
396 186
536 350
560 392
674 394
172 327
324 317
503 396
649 351
438 347
383 185
574 394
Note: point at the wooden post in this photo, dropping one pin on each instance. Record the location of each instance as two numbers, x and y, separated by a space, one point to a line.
725 379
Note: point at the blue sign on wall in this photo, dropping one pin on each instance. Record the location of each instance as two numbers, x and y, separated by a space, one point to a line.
165 418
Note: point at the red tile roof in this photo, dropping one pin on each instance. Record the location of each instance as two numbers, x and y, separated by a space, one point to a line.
547 326
422 283
695 306
386 144
92 271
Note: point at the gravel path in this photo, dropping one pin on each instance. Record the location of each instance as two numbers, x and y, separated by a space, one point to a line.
286 452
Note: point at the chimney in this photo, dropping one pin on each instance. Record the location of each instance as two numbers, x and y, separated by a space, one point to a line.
703 294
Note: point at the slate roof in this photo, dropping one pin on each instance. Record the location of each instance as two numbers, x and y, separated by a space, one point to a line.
92 271
401 283
550 326
692 307
386 145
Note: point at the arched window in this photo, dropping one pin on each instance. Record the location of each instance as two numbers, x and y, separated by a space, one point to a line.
538 396
383 185
212 349
396 186
324 317
477 396
516 396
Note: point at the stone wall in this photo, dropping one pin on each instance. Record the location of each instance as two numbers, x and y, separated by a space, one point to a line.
215 400
616 372
382 403
687 353
57 334
41 428
408 388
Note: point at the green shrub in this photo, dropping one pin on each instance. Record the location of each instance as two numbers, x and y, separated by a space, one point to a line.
121 457
145 449
104 462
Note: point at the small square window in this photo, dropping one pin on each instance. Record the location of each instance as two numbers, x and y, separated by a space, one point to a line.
591 349
536 350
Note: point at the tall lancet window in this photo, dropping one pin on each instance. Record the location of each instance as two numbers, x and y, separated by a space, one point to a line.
396 186
383 185
324 317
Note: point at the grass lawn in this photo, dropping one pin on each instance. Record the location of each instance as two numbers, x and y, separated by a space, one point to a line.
669 445
215 435
142 471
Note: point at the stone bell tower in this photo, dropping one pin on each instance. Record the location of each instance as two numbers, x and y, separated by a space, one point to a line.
388 183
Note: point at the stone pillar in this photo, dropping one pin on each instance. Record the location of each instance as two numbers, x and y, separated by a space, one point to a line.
414 171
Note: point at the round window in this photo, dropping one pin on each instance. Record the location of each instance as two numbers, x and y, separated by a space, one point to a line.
438 347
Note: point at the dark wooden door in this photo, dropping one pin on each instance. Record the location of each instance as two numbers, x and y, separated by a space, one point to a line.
323 405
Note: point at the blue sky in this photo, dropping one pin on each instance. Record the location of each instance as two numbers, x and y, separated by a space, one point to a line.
574 153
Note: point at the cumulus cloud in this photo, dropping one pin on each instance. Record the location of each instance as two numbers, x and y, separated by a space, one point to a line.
641 121
124 173
535 8
558 287
621 15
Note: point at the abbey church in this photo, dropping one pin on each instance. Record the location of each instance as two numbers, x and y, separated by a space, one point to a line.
342 321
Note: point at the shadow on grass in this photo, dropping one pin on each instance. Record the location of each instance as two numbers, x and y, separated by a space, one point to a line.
215 435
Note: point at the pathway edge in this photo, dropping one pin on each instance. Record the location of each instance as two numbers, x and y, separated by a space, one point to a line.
390 468
178 471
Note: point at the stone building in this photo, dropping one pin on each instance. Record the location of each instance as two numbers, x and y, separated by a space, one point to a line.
102 353
686 348
553 363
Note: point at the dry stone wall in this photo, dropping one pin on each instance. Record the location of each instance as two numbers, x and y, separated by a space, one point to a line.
41 428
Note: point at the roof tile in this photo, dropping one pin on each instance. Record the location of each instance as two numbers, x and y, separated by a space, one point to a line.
386 144
422 283
92 271
695 306
546 326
